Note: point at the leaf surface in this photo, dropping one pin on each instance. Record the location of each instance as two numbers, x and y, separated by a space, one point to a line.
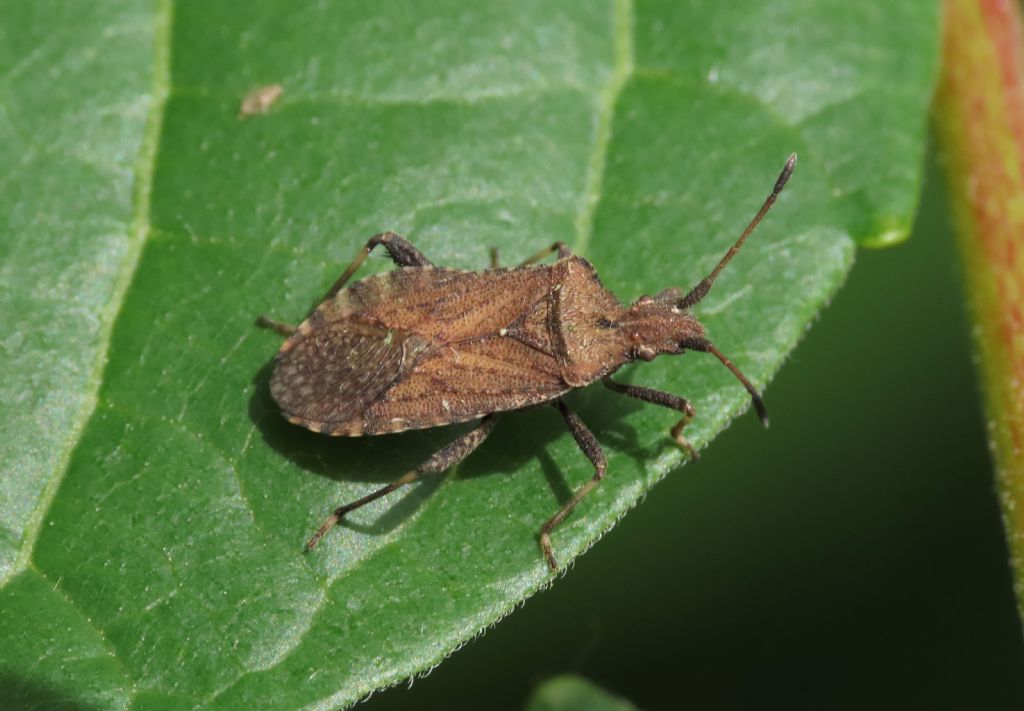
154 535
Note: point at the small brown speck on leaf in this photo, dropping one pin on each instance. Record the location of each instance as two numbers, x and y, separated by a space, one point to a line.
259 100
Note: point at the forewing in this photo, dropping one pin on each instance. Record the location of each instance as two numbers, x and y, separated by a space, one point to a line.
465 381
420 347
444 306
328 373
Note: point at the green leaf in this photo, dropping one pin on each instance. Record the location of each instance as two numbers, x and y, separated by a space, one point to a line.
77 166
155 507
573 693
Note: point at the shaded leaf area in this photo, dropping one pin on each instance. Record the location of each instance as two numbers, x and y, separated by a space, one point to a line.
647 136
574 693
74 97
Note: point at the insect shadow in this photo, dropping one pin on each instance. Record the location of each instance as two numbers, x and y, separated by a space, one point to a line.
520 437
346 459
26 693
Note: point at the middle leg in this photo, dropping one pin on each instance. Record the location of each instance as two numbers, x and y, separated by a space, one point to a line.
590 446
560 248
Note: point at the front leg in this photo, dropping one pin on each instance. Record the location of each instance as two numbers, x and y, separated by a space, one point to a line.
658 397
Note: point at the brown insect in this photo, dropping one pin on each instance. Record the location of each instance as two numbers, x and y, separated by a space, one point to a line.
424 346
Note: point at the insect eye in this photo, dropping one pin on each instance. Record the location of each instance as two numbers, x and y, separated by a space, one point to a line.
645 353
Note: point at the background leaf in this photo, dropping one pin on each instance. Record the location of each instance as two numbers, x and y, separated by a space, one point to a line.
980 95
649 133
573 693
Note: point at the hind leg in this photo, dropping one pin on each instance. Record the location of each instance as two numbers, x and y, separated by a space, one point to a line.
402 252
444 458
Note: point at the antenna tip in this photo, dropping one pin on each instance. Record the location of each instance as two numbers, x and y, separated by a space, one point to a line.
762 411
787 170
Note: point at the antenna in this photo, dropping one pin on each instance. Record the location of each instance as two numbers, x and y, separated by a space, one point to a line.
762 411
704 286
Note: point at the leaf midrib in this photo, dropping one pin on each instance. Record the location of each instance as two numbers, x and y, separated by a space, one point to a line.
622 70
138 232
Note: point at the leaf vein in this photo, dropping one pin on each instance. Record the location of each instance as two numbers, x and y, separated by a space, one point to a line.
145 166
607 100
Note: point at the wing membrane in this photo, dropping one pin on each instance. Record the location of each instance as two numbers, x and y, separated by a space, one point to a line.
327 377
